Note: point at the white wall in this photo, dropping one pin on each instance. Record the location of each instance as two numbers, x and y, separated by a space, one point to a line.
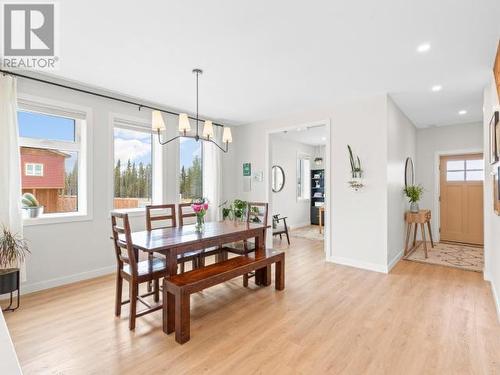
402 138
67 252
284 154
430 143
491 220
358 224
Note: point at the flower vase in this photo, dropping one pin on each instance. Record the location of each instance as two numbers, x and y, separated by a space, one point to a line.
414 207
200 223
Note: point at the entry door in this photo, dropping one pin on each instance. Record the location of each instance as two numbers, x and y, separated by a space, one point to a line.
461 198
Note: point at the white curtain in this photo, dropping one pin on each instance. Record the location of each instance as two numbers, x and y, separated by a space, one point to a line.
212 175
10 176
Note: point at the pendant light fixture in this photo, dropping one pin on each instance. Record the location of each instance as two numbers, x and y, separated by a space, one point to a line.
158 125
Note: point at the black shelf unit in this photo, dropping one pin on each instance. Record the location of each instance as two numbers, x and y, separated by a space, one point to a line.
317 187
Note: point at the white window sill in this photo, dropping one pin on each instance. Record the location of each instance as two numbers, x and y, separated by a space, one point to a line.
132 212
58 218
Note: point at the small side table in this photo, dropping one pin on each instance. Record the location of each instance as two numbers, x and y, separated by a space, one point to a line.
417 219
321 211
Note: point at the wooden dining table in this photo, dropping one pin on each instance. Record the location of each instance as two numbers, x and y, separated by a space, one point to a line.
173 242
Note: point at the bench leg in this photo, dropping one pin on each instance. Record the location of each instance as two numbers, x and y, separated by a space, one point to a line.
168 311
280 274
245 280
263 276
182 317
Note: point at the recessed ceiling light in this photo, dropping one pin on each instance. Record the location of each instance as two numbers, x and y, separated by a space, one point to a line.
436 88
323 138
424 47
462 112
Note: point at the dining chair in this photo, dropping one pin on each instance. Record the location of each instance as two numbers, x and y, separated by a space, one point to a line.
187 216
279 230
162 216
135 272
257 212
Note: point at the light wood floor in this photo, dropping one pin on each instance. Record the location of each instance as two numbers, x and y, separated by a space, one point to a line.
420 319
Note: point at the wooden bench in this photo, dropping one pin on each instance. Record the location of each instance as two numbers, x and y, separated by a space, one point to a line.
179 288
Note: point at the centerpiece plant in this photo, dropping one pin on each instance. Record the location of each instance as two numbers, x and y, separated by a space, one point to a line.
414 194
200 208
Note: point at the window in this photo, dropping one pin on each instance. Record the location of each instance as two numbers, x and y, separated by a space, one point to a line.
33 169
191 164
51 148
133 166
465 170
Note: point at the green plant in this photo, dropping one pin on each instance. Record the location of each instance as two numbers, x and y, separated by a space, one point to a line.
236 210
414 192
355 162
13 248
29 200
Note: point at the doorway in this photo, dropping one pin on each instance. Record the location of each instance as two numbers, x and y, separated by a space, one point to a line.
298 162
461 198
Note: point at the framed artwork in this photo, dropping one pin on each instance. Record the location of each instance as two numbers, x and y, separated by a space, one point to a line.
494 139
496 192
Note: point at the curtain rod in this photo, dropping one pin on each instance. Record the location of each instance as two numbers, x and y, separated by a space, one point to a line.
97 94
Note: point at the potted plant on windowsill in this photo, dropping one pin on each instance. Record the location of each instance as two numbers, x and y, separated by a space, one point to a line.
31 206
13 252
414 194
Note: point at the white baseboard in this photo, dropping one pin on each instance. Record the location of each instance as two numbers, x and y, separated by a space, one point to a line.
299 225
359 264
52 283
496 300
394 261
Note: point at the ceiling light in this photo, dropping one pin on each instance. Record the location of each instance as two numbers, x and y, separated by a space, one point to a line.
462 112
436 88
424 47
323 138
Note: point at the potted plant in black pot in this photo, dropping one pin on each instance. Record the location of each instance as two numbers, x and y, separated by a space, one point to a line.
13 251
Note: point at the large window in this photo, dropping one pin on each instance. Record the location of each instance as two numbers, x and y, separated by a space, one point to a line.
191 180
51 148
133 169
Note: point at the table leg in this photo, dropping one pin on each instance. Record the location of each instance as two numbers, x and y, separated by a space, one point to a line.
262 275
408 231
415 230
168 298
422 228
430 233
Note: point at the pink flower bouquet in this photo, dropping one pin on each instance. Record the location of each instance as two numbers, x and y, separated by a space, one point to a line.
200 207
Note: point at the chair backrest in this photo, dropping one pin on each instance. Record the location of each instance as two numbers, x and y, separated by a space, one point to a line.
160 216
185 214
122 239
257 212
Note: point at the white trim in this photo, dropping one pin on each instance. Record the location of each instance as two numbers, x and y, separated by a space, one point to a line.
84 133
59 281
292 226
394 261
496 300
33 169
382 268
328 246
435 222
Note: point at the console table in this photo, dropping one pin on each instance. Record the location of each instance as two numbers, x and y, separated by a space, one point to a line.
416 219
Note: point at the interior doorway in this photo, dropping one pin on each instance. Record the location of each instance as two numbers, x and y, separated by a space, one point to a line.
461 198
298 162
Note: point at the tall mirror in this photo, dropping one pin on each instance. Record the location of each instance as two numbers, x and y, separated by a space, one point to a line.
303 176
409 172
278 178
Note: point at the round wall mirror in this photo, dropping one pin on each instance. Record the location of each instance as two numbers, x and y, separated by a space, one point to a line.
278 178
409 172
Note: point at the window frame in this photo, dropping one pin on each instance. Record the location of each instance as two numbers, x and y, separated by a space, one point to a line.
126 122
33 173
83 132
464 171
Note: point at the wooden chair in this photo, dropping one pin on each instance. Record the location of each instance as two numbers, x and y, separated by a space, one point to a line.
135 272
186 217
164 216
280 230
256 213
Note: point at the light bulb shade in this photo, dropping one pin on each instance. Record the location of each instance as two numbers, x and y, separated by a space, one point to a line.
226 136
208 129
157 121
184 125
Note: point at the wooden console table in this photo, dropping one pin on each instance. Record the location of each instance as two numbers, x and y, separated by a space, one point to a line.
417 219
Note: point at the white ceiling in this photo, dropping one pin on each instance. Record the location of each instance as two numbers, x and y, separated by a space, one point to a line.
266 59
313 136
